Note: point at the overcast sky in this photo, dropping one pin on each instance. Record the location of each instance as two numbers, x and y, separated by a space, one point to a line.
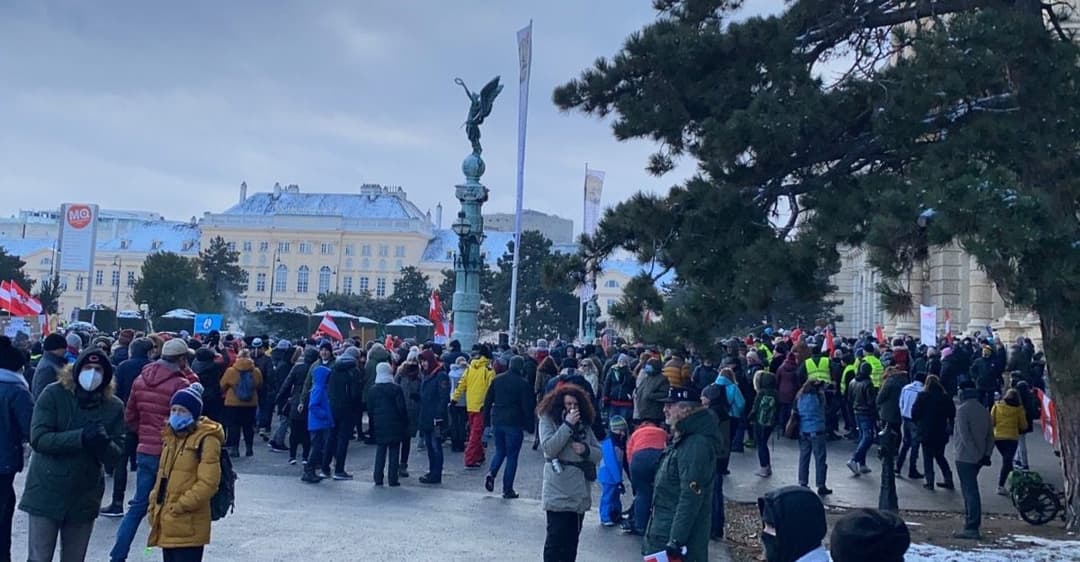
168 106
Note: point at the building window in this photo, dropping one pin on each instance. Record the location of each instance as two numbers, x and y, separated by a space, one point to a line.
327 249
260 283
350 250
115 281
348 263
247 245
246 260
305 248
281 278
302 279
382 265
243 304
346 285
611 284
380 287
610 303
365 250
45 260
131 279
79 283
262 259
399 265
264 246
384 250
231 246
283 247
364 285
324 279
99 277
63 282
365 264
399 251
258 305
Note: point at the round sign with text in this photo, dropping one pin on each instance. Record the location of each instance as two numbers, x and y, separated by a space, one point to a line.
79 216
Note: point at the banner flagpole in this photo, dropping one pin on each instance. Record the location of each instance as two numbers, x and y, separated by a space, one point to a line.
524 39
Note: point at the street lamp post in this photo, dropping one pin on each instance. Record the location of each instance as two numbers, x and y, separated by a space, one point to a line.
118 263
273 274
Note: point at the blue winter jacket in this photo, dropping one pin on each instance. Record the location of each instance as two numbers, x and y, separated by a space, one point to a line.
735 400
319 416
18 406
811 407
610 471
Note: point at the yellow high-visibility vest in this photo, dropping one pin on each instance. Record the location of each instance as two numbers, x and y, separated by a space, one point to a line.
820 371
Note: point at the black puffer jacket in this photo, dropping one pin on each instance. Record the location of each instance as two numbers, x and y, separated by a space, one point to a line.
386 405
130 368
209 370
292 388
861 394
509 400
346 389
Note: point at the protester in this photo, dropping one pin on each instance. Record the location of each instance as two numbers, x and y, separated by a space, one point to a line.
386 406
433 416
18 406
147 410
610 472
209 366
508 409
787 384
375 355
763 417
793 525
681 521
912 438
77 429
813 436
644 449
987 382
933 413
974 444
54 350
459 417
240 384
1032 411
126 372
180 513
869 534
1010 420
715 399
290 397
571 453
862 396
617 394
650 391
74 347
473 387
408 378
320 421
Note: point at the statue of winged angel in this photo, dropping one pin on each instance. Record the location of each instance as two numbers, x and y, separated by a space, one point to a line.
479 108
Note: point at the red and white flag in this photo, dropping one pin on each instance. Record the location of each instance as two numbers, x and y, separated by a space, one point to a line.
1047 415
948 326
27 305
796 335
827 344
5 296
879 333
435 314
328 328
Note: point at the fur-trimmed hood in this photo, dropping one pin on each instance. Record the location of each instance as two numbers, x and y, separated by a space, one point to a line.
66 378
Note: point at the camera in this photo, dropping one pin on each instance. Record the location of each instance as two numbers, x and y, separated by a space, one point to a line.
556 466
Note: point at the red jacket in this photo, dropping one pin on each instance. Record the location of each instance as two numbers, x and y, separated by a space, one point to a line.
147 408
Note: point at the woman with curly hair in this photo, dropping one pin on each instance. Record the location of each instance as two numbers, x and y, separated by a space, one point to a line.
571 452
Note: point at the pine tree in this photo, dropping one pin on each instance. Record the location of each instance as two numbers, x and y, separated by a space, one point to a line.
168 281
224 277
11 269
547 306
956 123
411 293
49 293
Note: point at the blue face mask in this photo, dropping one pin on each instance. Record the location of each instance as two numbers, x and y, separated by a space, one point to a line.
648 369
180 422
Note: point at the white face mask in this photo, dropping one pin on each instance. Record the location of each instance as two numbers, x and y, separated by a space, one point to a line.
90 379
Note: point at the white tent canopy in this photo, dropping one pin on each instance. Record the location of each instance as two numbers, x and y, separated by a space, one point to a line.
342 314
412 320
181 313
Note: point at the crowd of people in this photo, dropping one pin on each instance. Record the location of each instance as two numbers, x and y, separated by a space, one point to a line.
666 422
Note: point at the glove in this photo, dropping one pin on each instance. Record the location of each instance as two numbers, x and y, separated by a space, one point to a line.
94 435
674 551
985 461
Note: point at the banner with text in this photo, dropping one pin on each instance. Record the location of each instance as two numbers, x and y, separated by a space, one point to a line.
78 236
594 187
928 324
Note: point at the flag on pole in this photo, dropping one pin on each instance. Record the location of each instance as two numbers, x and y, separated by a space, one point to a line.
328 328
879 334
389 342
435 314
948 326
1048 416
27 304
827 344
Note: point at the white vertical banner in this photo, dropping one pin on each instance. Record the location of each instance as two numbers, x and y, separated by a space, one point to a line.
594 188
524 40
928 325
78 241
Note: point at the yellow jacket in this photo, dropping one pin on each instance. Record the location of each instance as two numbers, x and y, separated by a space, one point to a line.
231 379
1009 421
474 384
182 517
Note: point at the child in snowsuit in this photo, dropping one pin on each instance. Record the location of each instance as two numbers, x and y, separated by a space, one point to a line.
610 472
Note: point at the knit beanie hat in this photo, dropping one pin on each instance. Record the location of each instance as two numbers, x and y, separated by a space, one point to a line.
10 358
126 335
190 398
869 534
618 424
73 341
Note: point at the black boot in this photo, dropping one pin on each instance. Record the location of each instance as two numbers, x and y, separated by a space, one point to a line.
234 451
309 475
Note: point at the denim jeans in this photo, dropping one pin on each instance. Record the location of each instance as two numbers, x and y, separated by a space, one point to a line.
381 452
145 477
815 443
738 433
7 490
319 446
433 446
866 438
718 519
642 476
783 413
507 447
968 473
761 441
911 441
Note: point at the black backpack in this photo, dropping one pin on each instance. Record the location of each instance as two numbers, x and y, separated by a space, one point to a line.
224 500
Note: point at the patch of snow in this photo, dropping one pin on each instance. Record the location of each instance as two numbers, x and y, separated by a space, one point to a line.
384 205
411 320
1018 547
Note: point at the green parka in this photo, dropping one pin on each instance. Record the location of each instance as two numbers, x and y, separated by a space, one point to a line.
65 482
682 500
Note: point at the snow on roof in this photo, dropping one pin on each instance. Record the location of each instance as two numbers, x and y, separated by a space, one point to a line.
25 246
343 314
182 313
411 320
445 241
154 236
370 203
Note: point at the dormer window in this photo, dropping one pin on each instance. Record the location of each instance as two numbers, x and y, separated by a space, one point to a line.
155 245
125 244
